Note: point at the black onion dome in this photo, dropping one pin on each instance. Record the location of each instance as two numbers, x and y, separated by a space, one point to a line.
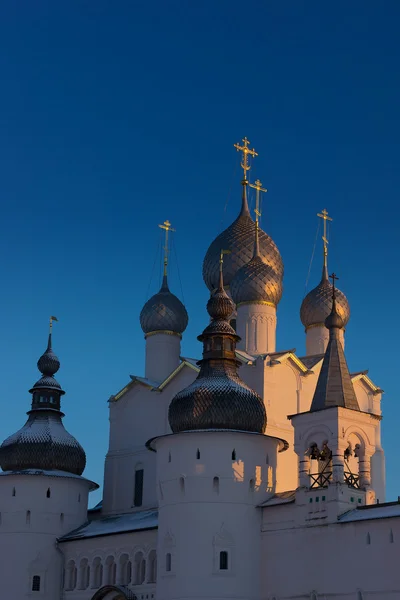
218 398
164 312
317 305
239 239
43 443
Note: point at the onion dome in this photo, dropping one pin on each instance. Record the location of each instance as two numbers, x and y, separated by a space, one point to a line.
43 443
256 282
164 312
317 305
239 239
334 386
218 398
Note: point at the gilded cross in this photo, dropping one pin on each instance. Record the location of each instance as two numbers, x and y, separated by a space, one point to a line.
167 228
334 278
246 152
324 215
51 323
257 186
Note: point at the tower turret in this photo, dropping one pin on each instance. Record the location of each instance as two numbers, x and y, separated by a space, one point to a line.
212 472
163 319
42 491
317 305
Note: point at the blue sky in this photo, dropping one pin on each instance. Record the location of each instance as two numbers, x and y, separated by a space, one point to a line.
117 116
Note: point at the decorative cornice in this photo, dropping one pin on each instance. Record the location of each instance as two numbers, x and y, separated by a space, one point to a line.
163 331
318 325
261 302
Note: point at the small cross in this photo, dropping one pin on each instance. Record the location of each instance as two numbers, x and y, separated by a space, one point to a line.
334 278
167 227
257 186
246 151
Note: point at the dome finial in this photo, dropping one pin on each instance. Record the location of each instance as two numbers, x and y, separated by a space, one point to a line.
48 364
167 228
246 167
334 320
324 215
258 187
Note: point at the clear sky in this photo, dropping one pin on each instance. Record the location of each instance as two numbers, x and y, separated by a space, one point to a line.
115 116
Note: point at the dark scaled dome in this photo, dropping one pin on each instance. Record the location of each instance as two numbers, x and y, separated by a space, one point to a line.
218 398
317 305
239 239
43 443
164 312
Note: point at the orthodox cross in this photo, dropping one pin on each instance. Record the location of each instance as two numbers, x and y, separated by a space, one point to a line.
167 228
334 278
246 152
221 258
324 215
257 186
51 323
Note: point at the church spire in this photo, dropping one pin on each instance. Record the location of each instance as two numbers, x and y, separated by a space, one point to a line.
334 386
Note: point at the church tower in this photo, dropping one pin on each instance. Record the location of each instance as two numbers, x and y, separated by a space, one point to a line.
335 441
212 472
317 305
42 491
163 320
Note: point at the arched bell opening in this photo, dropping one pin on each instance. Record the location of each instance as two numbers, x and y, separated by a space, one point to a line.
320 465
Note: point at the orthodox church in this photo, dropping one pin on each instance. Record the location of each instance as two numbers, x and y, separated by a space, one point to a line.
251 474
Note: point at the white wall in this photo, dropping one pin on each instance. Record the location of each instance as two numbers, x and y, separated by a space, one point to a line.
30 524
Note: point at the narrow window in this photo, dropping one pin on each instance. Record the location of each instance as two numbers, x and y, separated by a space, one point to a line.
36 583
79 497
138 494
182 484
359 596
48 493
198 454
62 518
368 539
168 562
267 460
28 517
234 454
169 456
13 492
223 560
391 536
216 485
251 485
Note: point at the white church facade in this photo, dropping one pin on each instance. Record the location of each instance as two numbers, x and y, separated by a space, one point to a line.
252 474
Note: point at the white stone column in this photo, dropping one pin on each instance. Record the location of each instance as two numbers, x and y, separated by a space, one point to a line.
365 470
163 350
256 325
304 471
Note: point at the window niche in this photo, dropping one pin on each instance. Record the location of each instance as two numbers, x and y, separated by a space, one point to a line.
138 486
36 583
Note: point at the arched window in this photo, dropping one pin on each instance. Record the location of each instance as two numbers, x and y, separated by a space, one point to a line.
169 457
70 575
48 493
97 569
168 562
36 583
368 539
267 459
84 574
391 536
139 569
13 492
198 454
111 570
223 560
233 454
182 484
216 485
152 565
62 518
251 485
138 486
125 569
28 517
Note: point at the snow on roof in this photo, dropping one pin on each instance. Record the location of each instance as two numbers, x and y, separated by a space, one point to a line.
367 513
125 523
49 473
280 498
